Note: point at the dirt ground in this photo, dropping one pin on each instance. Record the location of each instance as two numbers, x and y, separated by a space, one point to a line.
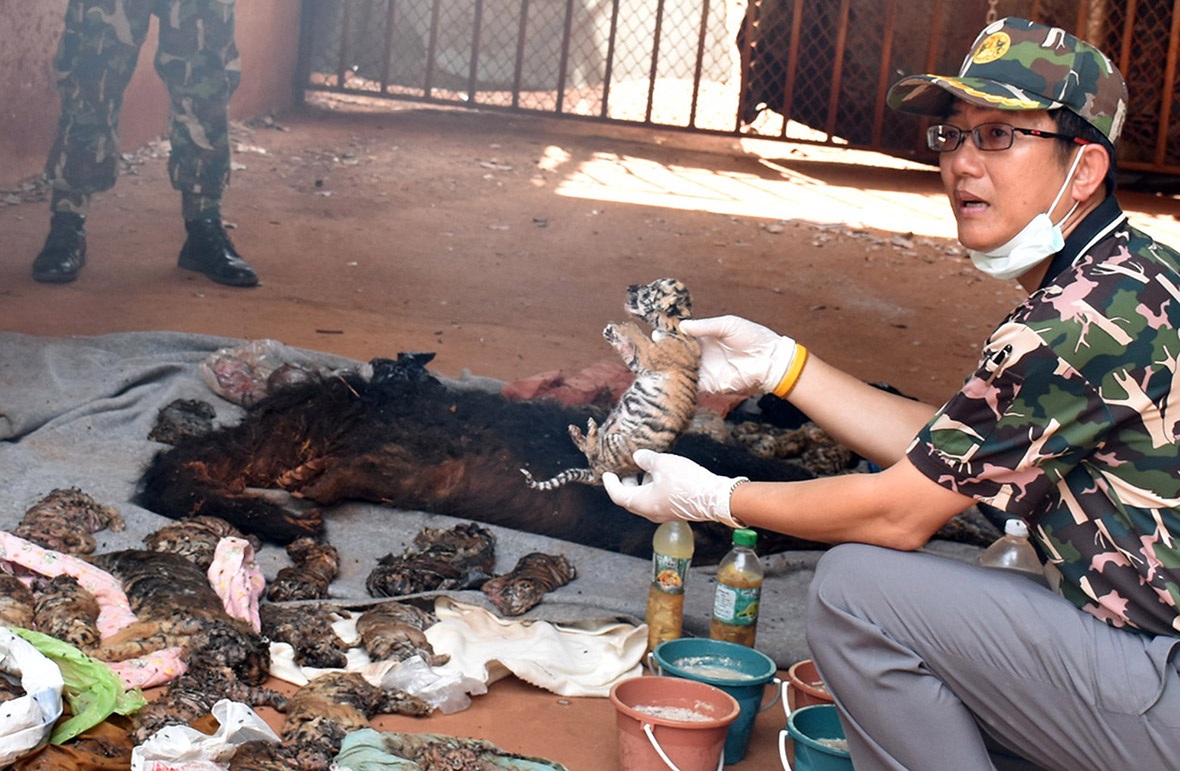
504 244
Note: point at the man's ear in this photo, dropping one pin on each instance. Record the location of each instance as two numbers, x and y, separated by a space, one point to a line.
1090 176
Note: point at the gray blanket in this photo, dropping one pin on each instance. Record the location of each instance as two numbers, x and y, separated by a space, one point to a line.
76 412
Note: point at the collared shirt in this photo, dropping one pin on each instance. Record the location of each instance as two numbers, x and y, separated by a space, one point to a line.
1072 422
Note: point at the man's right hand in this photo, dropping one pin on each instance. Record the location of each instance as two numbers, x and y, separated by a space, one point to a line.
739 356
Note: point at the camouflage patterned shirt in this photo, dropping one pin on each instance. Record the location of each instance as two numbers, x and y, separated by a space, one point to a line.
1072 422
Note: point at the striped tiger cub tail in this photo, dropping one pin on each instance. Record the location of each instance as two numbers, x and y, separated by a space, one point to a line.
582 475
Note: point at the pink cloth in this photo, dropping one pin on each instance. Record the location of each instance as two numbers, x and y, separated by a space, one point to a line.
600 383
114 612
157 668
237 579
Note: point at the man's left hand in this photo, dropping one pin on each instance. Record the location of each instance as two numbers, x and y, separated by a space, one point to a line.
673 487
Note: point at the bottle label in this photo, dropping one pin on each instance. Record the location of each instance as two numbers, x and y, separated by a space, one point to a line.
669 573
738 607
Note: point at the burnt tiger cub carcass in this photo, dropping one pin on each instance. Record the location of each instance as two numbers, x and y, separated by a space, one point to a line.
659 404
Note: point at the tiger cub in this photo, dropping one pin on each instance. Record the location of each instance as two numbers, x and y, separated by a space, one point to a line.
659 405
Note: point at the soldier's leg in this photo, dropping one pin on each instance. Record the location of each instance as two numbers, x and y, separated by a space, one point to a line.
198 61
95 59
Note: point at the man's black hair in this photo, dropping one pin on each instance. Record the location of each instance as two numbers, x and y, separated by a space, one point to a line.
1071 124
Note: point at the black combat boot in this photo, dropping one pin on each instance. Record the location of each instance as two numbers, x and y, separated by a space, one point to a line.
208 250
64 252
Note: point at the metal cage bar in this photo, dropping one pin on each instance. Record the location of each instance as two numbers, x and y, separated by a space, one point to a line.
702 35
780 65
563 62
521 38
342 62
792 62
653 76
1168 89
837 68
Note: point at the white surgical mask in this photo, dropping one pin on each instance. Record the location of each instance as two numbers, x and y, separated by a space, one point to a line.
1039 239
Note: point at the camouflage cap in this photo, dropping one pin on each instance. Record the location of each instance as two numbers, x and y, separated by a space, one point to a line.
1016 64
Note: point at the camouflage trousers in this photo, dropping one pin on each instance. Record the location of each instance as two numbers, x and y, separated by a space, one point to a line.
198 62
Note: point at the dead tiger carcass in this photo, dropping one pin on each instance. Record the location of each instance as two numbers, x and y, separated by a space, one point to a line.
461 557
320 714
317 563
176 606
308 630
402 438
65 519
395 630
534 576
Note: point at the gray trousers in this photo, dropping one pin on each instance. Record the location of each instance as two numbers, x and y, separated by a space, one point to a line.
930 660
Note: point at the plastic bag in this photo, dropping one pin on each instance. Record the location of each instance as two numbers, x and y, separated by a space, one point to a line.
180 745
91 688
445 691
25 722
244 374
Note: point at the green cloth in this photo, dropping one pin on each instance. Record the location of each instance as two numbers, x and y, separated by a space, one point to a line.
92 689
372 750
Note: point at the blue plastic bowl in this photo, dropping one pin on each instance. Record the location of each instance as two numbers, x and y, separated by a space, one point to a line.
808 726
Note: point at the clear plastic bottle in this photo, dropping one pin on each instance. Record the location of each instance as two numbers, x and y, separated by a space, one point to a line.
671 547
1013 551
739 590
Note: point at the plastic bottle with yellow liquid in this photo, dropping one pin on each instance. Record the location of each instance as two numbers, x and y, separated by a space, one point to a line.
739 591
671 547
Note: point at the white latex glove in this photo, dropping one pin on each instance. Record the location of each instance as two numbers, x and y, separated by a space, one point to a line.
674 487
739 356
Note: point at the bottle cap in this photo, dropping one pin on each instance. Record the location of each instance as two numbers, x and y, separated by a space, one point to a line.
1016 527
744 536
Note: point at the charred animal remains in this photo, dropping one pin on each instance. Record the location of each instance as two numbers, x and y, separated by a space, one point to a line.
809 445
534 576
316 564
438 752
659 404
321 713
9 688
182 418
307 629
194 693
263 755
64 519
196 538
176 606
462 557
65 610
405 439
16 602
394 630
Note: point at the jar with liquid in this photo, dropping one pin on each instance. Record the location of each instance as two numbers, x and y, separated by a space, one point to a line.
739 591
672 548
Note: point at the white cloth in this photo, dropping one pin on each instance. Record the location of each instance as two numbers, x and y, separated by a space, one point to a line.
447 692
580 659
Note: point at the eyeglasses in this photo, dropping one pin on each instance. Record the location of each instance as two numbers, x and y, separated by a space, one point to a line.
945 138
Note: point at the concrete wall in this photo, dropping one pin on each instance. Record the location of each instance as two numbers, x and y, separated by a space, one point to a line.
267 36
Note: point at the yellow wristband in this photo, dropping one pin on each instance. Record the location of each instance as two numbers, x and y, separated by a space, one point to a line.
792 377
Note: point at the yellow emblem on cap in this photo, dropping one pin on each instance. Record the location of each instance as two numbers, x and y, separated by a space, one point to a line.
993 47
